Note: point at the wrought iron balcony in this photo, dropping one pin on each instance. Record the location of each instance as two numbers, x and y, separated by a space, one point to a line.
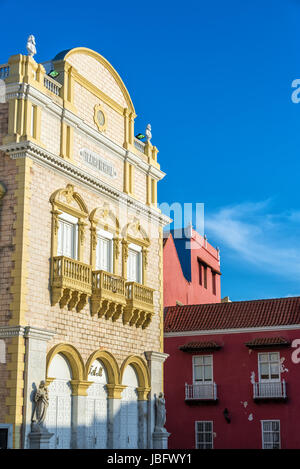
108 295
71 282
201 392
269 390
139 305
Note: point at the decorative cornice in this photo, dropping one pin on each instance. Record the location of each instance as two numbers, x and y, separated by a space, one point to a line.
23 90
156 356
35 333
35 152
27 332
11 331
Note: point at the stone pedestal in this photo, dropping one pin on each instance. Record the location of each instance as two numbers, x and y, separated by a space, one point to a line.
39 440
160 439
35 371
155 363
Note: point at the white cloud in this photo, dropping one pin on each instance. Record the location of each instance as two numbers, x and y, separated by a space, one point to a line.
265 239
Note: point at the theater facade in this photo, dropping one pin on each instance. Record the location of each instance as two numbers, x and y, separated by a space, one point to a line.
81 256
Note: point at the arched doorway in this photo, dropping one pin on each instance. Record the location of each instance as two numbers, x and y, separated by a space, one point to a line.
59 414
97 407
129 410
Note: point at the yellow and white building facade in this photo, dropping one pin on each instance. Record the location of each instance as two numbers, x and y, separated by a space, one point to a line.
80 256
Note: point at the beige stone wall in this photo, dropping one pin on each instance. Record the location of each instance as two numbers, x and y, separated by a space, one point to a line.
80 142
85 101
83 331
97 74
50 132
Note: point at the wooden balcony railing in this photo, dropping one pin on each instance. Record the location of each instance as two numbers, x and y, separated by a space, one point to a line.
201 392
269 390
139 305
71 282
108 294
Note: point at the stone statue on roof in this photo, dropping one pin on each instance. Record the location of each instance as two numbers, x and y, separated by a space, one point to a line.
30 46
148 133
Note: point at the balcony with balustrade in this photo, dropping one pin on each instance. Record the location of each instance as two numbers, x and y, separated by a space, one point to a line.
71 282
108 295
275 390
139 305
201 392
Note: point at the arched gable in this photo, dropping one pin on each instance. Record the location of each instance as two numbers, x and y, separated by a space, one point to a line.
95 68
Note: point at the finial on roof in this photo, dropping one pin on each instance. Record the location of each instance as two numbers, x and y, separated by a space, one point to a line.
30 46
148 133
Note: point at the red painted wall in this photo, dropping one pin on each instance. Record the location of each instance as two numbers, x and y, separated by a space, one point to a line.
232 368
176 287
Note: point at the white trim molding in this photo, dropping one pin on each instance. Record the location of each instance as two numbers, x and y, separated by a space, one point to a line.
232 331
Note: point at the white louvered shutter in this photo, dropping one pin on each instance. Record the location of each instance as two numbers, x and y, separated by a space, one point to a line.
103 254
133 266
66 245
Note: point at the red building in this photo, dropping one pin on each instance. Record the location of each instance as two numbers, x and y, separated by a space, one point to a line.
232 379
191 269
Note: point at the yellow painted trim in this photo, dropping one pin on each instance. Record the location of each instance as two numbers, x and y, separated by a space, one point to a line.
109 67
110 363
2 191
115 391
141 369
80 387
104 218
73 357
59 206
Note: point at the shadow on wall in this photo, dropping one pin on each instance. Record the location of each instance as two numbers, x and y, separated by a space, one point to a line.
128 429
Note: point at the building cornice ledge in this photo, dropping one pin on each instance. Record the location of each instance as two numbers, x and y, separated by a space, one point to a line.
31 150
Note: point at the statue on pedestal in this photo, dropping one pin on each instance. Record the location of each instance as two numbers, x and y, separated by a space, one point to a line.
41 400
160 412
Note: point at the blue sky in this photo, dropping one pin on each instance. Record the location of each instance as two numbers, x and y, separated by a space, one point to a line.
214 79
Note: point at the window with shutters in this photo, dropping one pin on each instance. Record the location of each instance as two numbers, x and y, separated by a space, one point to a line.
269 366
270 434
202 369
67 236
104 251
204 434
134 263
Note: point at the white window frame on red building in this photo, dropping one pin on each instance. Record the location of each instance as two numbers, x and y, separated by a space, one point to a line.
197 445
203 365
271 432
269 362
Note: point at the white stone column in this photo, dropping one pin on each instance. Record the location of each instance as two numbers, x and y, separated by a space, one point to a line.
155 363
114 415
143 424
78 422
35 371
114 422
